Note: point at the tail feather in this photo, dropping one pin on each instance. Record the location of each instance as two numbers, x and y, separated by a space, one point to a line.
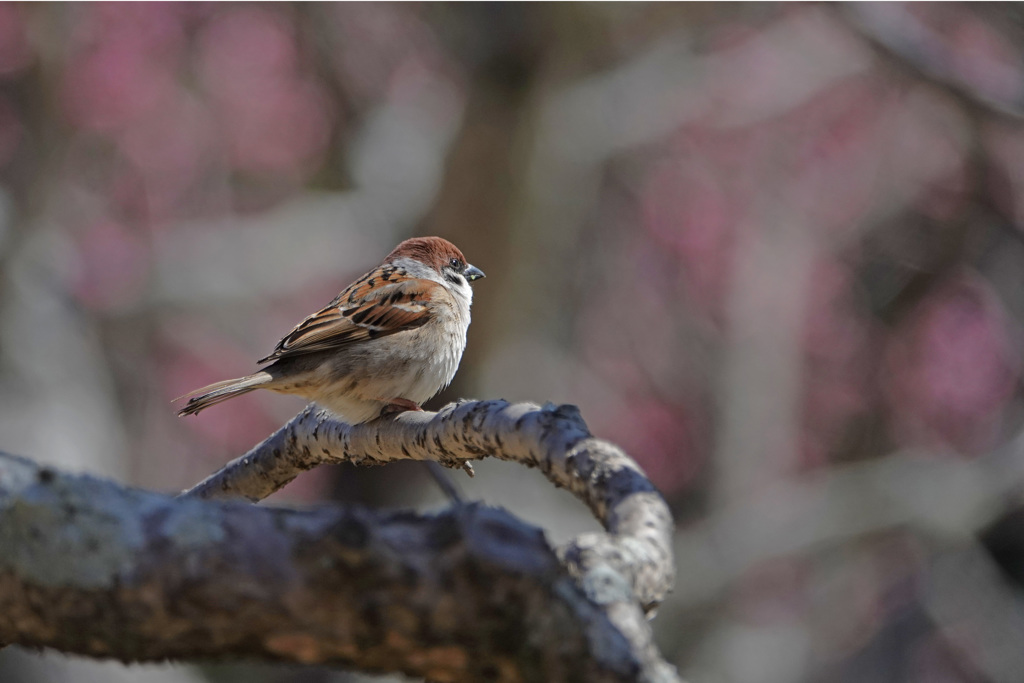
212 394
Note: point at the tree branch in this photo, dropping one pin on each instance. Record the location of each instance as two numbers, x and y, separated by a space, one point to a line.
470 594
907 42
555 439
145 577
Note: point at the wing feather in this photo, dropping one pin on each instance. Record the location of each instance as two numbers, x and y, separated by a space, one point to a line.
371 307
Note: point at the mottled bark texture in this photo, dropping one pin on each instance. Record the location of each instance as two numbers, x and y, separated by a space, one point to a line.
470 594
554 439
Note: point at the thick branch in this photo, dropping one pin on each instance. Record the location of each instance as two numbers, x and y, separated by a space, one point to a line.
470 594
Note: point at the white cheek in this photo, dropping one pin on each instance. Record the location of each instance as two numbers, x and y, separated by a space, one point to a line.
463 292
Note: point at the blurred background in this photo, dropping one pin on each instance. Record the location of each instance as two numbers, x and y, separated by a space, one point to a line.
774 251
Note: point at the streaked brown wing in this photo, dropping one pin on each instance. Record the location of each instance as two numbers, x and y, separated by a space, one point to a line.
361 312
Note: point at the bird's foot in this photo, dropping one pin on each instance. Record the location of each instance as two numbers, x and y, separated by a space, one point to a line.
399 405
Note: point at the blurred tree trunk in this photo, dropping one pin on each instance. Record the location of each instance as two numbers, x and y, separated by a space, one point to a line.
476 204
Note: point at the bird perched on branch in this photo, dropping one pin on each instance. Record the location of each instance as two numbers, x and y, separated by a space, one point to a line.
387 343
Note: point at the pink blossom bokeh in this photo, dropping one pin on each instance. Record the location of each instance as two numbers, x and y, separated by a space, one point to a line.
792 229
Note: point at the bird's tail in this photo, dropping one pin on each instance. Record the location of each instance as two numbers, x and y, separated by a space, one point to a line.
221 391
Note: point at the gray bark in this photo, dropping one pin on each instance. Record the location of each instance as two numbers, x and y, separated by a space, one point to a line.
91 567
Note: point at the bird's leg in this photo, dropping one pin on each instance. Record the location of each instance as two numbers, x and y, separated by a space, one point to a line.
447 486
399 405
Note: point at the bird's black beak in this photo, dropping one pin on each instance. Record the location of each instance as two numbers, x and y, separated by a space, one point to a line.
473 273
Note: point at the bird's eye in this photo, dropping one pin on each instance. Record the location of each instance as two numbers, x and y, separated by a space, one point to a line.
455 263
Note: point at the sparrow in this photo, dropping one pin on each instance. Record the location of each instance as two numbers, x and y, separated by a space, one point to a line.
385 344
